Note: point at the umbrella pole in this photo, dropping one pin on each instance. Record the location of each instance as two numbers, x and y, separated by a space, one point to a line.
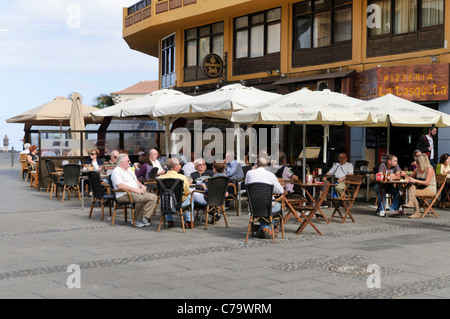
304 152
388 138
326 134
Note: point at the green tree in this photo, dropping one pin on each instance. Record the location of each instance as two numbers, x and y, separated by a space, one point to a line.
103 100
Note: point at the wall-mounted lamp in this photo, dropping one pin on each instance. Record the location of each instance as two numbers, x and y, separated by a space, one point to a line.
434 59
277 71
283 76
243 82
269 72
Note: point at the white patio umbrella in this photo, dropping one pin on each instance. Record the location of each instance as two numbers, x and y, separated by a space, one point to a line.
76 120
396 111
144 106
219 104
307 107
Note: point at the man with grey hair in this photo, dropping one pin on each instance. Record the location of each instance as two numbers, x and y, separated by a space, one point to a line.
234 168
261 175
124 178
173 167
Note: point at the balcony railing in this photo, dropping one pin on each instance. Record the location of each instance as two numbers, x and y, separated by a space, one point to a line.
144 9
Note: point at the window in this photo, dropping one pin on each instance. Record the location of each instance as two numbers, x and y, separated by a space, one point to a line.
257 42
324 25
168 75
405 25
258 34
199 42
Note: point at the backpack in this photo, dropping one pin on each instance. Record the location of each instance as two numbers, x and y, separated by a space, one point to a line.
279 173
168 199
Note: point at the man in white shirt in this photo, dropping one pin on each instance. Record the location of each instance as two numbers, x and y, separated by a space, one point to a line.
339 171
262 175
153 154
124 178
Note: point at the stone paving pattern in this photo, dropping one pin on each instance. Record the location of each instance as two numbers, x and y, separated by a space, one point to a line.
40 238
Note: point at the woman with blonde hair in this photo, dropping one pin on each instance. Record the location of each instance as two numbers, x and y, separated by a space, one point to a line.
423 183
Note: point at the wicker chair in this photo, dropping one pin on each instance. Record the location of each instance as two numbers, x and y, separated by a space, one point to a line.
71 180
99 193
260 197
55 182
123 205
217 188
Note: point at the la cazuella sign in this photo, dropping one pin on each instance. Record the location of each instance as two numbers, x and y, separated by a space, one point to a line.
212 65
414 83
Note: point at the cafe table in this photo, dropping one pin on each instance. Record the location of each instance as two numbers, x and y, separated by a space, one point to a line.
305 186
401 187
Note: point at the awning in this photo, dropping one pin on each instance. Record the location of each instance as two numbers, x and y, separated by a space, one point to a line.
315 77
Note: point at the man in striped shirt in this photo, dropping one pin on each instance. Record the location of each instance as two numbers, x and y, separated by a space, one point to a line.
262 175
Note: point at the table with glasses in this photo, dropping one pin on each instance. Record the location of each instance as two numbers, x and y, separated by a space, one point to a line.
402 188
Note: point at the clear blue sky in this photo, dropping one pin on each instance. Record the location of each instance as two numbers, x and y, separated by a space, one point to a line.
51 48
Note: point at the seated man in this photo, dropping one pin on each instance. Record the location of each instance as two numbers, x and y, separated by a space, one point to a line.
261 175
393 170
339 171
111 164
173 167
123 177
234 168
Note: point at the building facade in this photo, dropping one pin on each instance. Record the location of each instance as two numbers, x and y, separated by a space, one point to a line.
361 48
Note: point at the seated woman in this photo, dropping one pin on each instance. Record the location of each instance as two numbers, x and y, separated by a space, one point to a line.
93 160
32 157
143 171
413 164
443 168
201 173
286 174
423 183
201 198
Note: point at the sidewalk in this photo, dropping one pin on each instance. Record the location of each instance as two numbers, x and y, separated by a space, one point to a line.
40 238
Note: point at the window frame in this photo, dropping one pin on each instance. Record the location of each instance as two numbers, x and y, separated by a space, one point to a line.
165 72
413 39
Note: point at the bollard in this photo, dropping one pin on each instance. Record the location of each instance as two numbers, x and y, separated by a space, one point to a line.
12 156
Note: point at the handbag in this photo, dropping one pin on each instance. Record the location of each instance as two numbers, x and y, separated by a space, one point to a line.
421 186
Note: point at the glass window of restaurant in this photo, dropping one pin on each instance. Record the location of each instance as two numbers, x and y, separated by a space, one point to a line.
322 32
396 26
199 42
132 136
257 42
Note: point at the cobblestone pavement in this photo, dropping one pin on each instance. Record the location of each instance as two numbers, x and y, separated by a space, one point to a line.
372 258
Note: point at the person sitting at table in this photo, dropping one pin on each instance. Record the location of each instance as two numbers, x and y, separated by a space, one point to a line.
423 183
189 167
234 168
32 157
173 167
154 162
262 175
391 168
339 171
143 170
443 168
93 160
201 173
413 164
124 178
201 198
286 174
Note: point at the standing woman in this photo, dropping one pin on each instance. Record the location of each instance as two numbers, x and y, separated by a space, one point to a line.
423 183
